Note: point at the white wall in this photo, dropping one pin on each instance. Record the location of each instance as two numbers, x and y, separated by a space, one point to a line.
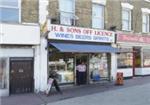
16 52
138 71
142 71
127 72
19 34
43 12
146 71
43 64
37 69
113 66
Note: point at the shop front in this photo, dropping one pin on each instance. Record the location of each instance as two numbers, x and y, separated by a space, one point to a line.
17 58
133 58
69 47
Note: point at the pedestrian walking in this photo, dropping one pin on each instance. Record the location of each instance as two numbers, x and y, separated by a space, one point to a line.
53 75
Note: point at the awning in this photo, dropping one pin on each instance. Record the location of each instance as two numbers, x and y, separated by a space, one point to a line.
83 48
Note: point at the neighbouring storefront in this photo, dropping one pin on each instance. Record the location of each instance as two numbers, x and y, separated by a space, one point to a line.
18 58
133 58
69 46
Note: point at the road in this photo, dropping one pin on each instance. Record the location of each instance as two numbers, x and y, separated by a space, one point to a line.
136 95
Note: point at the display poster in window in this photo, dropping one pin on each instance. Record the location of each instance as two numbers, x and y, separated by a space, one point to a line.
98 67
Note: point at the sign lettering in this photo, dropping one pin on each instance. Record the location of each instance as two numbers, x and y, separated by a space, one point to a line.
59 32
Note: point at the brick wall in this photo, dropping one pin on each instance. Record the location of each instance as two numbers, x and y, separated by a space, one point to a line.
29 11
84 12
114 14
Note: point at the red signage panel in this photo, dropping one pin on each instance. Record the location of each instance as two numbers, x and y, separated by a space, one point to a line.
132 38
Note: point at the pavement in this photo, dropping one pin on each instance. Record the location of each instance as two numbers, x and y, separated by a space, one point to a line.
72 93
136 95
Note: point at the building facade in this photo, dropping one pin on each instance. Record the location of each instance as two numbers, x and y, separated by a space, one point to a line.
76 31
131 20
109 36
128 19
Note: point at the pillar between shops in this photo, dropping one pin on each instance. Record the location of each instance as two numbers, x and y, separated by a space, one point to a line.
113 66
37 68
43 64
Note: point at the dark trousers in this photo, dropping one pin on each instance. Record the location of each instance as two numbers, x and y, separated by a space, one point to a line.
81 78
56 86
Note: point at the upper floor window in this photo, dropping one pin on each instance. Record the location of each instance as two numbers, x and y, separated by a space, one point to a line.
126 19
67 9
126 16
145 20
98 16
145 23
9 10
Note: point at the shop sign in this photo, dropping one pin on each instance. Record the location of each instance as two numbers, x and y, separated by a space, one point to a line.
133 38
59 32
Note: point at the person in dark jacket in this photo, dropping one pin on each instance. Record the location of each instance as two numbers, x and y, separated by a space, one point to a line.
53 74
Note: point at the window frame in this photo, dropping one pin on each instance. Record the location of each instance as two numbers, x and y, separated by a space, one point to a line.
147 23
146 56
125 58
13 7
70 13
101 17
129 28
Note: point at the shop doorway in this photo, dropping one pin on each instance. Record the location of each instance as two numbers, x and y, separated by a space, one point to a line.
136 59
81 69
21 75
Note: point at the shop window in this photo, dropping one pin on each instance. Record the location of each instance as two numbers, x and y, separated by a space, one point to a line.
3 68
98 67
126 19
124 60
146 58
145 23
97 16
67 10
10 10
63 64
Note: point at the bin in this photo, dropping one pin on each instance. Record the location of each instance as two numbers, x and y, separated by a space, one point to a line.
119 78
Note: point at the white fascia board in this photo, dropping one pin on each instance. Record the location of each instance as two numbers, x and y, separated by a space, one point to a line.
127 6
145 10
102 2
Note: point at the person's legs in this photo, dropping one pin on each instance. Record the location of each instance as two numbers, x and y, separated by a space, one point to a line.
84 77
78 77
81 78
57 86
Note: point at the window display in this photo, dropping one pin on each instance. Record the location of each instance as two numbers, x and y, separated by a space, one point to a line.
3 65
124 60
98 66
64 67
146 58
